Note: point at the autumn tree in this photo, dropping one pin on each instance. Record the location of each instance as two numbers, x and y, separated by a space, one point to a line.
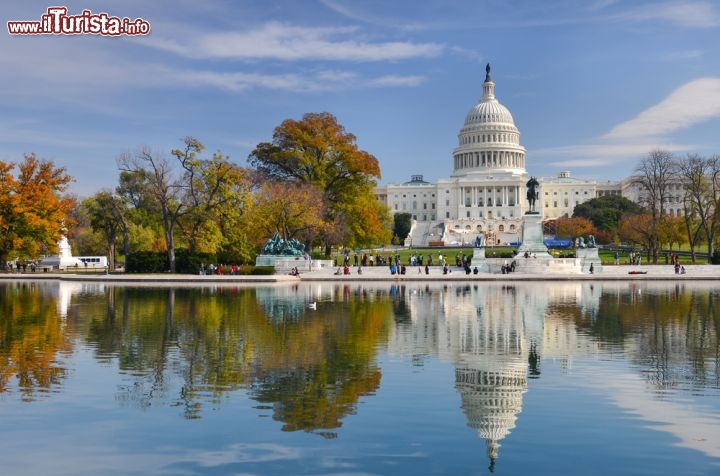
574 227
701 200
32 207
291 210
640 230
671 231
654 176
319 152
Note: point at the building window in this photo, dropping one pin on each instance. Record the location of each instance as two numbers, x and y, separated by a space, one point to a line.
447 214
468 213
432 205
447 203
396 206
501 228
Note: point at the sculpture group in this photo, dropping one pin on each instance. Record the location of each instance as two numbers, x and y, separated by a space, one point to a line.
581 243
277 246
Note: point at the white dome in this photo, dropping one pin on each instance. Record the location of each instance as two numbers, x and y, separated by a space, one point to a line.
489 111
488 141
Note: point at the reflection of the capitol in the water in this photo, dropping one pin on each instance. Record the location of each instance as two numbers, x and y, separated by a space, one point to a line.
495 335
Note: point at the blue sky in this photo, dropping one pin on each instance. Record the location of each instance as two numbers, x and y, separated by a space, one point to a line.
593 85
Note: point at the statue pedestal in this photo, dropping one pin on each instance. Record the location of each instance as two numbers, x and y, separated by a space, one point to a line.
589 256
533 256
479 260
284 263
533 240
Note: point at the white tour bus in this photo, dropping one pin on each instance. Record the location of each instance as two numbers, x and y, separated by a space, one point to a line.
93 261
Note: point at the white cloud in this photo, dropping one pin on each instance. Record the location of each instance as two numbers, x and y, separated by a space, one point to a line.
702 14
279 41
688 105
683 55
309 82
396 81
602 154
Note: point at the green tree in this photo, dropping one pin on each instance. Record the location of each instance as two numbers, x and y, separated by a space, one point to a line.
156 176
402 222
32 208
606 212
107 217
317 151
215 190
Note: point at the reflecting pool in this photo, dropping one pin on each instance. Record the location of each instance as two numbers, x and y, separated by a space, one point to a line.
590 378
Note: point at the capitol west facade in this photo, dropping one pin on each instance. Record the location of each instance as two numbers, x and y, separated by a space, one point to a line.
486 193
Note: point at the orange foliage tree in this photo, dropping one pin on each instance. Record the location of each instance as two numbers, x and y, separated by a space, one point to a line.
319 152
574 227
32 207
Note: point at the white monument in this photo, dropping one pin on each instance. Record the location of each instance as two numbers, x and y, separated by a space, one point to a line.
64 259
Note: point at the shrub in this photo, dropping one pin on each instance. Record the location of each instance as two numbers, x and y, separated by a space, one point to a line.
146 262
715 259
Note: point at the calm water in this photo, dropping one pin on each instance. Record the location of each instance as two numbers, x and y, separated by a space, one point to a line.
546 378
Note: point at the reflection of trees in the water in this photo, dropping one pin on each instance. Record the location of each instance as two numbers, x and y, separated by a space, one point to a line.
671 332
32 338
312 366
315 370
189 346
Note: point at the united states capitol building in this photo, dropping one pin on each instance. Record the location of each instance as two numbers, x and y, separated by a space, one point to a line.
486 192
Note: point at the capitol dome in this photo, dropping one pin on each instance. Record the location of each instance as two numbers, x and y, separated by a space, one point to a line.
488 110
489 139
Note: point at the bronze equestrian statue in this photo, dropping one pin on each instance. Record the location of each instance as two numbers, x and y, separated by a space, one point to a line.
532 193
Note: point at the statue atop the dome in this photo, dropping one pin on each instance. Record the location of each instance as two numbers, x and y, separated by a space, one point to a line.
487 73
532 193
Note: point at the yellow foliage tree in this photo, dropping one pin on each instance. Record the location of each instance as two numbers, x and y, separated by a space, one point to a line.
32 209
